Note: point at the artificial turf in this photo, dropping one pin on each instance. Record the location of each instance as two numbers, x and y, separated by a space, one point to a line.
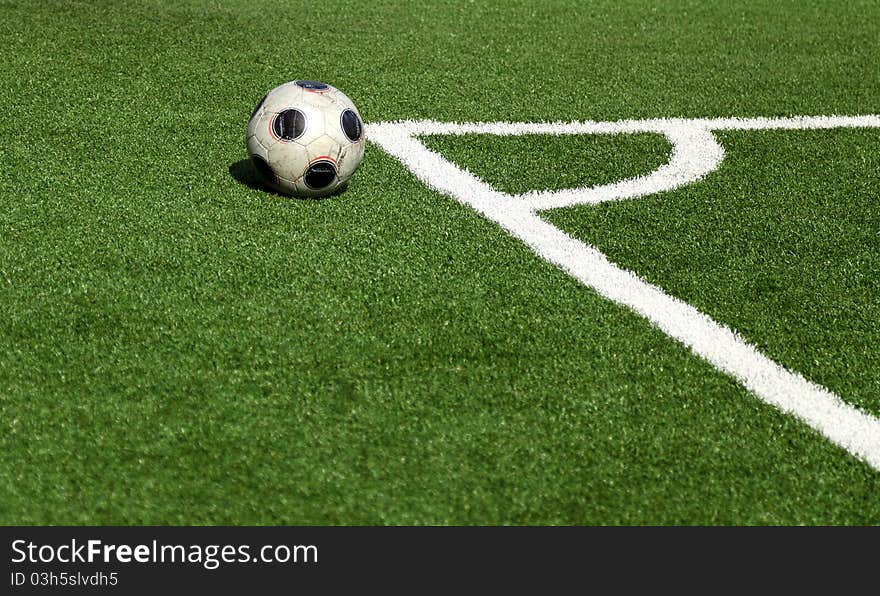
178 346
519 164
782 244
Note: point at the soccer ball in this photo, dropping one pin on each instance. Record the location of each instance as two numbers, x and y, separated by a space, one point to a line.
305 138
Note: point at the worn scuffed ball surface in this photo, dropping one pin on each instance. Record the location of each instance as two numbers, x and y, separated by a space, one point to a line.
306 138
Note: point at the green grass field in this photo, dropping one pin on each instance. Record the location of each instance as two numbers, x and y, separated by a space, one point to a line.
178 346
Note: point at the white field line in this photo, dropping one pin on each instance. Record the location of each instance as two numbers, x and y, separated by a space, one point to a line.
657 125
695 153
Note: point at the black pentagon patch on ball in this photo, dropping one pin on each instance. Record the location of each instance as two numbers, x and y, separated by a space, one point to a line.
289 124
320 174
351 125
313 85
264 168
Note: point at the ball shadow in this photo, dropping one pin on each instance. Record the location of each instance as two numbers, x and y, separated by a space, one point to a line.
244 172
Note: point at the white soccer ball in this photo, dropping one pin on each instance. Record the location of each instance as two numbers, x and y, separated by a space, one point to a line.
305 138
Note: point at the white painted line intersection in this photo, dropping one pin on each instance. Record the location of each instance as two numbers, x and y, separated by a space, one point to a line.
695 153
